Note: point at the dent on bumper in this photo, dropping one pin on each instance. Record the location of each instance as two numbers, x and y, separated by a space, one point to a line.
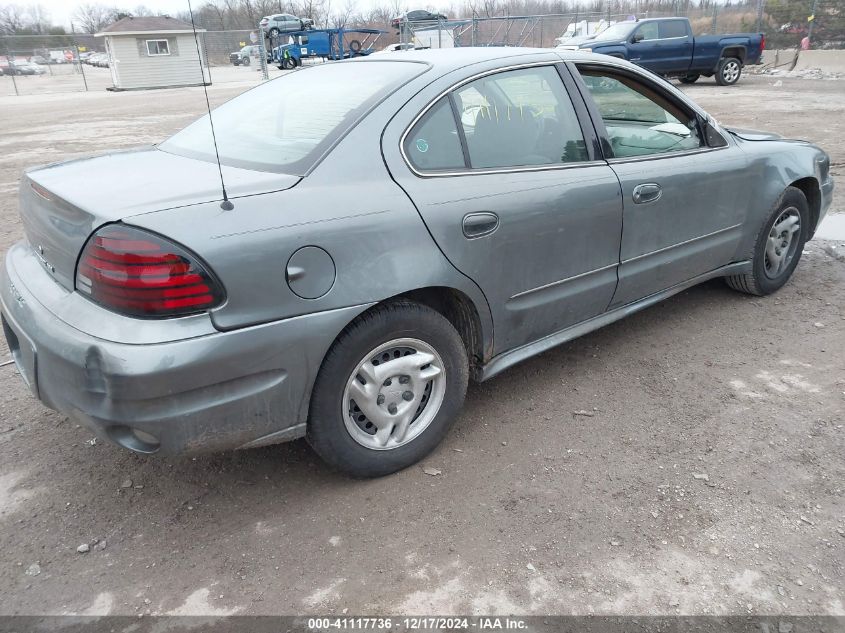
218 391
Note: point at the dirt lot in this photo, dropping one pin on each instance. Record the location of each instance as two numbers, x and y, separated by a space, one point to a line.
706 477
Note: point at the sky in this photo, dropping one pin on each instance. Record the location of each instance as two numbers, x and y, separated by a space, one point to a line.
61 11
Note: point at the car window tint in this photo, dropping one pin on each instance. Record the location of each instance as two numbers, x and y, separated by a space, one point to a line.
672 28
640 121
518 118
433 143
648 31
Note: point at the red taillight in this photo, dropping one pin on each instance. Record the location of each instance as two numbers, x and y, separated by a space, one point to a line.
141 274
762 42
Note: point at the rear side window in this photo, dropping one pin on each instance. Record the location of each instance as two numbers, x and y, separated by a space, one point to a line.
672 28
519 118
433 143
286 124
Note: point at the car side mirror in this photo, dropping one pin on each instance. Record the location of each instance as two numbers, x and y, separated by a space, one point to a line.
639 37
711 135
303 40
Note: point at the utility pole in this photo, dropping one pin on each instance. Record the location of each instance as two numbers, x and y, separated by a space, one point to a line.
812 21
760 5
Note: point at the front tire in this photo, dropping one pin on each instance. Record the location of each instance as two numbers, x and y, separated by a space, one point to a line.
729 71
778 247
388 391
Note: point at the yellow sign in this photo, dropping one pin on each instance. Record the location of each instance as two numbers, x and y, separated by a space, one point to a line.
82 49
241 44
811 18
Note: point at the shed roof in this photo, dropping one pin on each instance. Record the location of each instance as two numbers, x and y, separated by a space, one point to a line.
148 24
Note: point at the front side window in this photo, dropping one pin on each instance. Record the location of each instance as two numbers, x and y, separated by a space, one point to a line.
158 47
519 118
433 143
672 28
286 124
647 31
640 121
615 32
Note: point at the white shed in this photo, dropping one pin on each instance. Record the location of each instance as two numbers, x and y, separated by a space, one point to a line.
155 52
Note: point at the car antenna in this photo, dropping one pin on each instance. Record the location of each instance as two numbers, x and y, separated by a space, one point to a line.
226 205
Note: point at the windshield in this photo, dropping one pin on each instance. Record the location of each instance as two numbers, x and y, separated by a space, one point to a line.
286 124
619 31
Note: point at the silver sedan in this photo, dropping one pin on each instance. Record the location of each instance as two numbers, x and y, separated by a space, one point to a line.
390 228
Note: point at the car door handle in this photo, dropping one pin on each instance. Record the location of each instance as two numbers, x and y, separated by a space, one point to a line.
479 224
647 192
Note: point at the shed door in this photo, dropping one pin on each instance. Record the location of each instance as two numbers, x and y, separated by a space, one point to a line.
112 62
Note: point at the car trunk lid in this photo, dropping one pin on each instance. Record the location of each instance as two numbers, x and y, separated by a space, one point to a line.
62 204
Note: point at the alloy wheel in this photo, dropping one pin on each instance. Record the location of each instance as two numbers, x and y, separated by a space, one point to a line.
730 72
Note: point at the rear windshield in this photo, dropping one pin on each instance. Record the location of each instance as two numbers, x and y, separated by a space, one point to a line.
286 124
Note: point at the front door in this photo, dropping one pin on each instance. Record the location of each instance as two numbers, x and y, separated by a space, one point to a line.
505 176
684 202
666 46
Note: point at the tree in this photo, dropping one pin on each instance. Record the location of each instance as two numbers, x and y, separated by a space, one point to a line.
12 18
93 18
38 19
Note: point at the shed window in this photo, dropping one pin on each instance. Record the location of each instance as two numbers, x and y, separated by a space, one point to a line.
158 47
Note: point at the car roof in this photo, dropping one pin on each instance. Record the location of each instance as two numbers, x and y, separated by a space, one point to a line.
445 60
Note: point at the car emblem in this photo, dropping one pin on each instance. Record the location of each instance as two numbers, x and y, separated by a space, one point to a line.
44 261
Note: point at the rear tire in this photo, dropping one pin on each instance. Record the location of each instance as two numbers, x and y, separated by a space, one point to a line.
729 71
689 79
388 390
778 246
245 61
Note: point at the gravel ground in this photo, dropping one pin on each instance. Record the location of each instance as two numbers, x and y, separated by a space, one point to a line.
686 460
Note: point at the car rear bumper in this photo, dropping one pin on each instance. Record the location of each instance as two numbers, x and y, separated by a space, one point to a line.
217 391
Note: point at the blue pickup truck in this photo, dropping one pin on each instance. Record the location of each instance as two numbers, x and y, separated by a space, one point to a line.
667 47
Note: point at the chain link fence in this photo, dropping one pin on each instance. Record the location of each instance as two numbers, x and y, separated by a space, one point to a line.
34 64
72 63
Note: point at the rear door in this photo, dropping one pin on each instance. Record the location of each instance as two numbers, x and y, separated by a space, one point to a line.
684 201
506 176
675 45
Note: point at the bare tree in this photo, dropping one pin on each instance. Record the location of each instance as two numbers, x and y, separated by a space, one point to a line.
142 11
93 18
343 16
12 18
38 19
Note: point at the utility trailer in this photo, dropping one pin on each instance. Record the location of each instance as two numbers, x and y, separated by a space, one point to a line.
329 44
